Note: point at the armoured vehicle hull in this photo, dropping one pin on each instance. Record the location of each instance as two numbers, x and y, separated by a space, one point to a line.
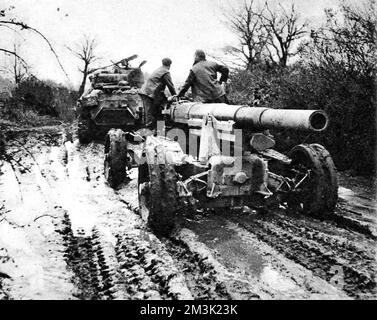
111 102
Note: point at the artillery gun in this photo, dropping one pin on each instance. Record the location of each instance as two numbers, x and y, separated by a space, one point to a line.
112 100
221 156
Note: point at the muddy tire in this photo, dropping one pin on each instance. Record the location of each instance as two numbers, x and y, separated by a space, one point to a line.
310 198
158 197
330 190
85 129
143 192
115 165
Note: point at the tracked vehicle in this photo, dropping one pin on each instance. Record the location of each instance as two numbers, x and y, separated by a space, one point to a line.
112 101
222 156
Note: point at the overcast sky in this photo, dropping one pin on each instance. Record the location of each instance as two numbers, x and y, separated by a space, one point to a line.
152 29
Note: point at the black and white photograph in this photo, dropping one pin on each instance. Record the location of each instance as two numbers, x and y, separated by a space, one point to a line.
188 150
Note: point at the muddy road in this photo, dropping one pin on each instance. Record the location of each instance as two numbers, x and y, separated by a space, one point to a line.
65 234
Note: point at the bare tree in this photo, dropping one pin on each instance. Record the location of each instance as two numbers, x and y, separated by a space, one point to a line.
347 41
284 29
18 69
85 51
17 66
264 32
245 21
12 23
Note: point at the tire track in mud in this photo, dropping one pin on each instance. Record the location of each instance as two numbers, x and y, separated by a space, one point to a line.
137 265
149 272
200 273
84 255
78 255
87 254
152 268
132 269
129 268
349 220
346 248
292 280
94 263
340 263
205 277
263 271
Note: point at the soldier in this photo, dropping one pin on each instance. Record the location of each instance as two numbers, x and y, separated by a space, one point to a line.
203 80
153 94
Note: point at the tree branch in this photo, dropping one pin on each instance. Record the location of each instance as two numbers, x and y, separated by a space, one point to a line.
25 26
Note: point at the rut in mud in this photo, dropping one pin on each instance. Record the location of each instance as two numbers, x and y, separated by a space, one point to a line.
334 259
83 240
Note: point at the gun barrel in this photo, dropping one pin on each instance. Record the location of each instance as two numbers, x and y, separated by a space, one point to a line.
253 117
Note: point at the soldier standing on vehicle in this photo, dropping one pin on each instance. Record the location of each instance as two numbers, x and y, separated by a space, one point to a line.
153 92
203 80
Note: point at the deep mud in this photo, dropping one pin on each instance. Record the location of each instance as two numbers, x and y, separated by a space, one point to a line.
65 234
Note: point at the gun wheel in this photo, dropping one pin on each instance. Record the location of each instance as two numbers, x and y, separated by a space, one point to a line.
158 197
330 190
115 165
317 193
85 129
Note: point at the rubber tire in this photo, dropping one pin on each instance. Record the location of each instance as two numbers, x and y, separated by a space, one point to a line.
158 197
85 130
115 164
143 192
313 200
330 190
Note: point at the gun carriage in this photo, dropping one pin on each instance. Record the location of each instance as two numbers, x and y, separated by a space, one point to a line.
222 156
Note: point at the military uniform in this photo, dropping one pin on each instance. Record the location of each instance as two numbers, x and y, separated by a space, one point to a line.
203 82
153 94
